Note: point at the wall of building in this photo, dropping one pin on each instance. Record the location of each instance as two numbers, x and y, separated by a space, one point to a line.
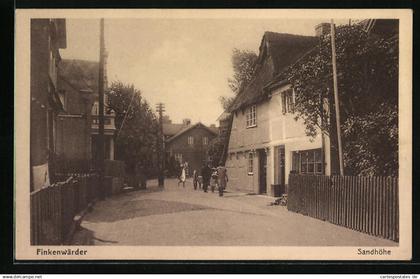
243 138
40 54
73 141
239 177
273 129
44 57
73 138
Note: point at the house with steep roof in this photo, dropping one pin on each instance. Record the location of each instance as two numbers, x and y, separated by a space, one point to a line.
188 143
79 86
73 148
266 142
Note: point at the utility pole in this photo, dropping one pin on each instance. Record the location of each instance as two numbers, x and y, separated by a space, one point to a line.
337 104
321 109
101 149
160 108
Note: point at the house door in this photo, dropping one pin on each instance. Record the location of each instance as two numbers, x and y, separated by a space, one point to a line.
262 156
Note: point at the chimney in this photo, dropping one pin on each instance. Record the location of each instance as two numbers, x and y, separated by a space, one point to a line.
212 126
322 29
186 121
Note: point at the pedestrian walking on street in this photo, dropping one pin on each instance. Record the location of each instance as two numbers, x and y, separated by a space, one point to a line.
195 179
182 176
223 179
206 174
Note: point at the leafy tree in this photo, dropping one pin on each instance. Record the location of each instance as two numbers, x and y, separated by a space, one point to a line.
136 136
243 67
215 150
367 69
172 166
243 62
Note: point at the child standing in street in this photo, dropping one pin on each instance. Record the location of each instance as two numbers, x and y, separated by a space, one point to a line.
182 176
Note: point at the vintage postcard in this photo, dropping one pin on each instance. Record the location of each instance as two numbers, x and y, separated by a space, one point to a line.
220 134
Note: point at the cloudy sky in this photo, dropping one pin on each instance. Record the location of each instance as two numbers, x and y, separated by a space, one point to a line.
184 63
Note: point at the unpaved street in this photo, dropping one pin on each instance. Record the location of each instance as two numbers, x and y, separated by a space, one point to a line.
182 216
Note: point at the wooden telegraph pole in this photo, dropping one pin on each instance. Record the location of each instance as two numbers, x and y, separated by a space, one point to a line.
337 104
101 140
160 108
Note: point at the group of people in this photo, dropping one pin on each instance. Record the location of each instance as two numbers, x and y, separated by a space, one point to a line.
208 176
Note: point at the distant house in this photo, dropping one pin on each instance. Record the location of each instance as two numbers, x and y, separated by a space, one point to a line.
188 142
74 123
79 84
48 36
266 143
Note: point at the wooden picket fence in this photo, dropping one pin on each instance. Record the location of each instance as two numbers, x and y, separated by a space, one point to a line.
53 208
365 204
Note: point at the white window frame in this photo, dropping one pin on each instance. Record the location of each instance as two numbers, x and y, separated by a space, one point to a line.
310 159
251 116
288 101
190 140
205 140
250 163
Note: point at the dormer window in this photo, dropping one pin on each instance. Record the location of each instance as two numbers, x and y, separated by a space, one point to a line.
251 116
288 101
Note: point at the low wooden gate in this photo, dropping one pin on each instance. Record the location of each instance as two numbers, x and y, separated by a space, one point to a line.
365 204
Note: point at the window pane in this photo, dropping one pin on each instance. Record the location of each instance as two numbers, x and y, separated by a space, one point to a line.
311 168
303 167
305 156
311 156
317 155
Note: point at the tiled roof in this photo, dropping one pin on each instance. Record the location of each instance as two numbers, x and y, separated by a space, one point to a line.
189 127
170 129
283 50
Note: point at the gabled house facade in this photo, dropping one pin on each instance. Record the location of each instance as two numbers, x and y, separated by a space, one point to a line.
190 144
266 142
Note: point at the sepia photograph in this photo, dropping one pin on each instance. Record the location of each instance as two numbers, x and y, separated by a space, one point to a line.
213 134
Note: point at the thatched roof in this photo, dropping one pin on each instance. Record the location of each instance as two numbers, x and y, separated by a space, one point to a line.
224 116
277 52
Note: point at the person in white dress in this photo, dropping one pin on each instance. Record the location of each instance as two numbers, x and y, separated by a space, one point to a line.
182 176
